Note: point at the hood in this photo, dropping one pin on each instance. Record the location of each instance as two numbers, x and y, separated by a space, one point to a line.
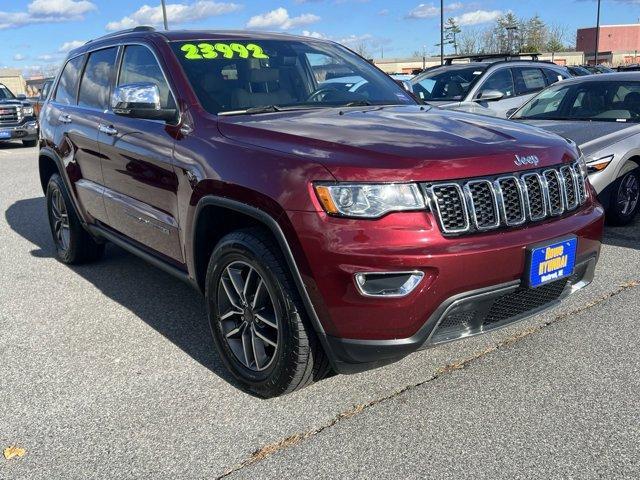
12 102
591 137
398 143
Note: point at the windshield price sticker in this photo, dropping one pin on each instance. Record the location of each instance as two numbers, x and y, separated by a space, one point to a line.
209 51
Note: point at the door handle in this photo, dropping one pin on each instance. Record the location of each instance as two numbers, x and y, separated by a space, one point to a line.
107 129
64 118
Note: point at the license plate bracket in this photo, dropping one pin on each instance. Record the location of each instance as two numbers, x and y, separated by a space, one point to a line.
550 261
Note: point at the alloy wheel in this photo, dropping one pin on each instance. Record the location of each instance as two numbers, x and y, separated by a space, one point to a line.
60 220
628 194
248 318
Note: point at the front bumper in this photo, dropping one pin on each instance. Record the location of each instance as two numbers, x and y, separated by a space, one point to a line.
366 332
27 130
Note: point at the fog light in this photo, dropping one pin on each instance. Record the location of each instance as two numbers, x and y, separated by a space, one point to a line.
387 284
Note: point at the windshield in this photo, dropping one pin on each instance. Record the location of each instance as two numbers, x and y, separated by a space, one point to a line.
447 83
5 93
598 101
233 76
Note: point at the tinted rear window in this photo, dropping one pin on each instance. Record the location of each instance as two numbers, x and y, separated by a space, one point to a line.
68 84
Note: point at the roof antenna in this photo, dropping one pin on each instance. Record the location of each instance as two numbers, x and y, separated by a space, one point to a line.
164 14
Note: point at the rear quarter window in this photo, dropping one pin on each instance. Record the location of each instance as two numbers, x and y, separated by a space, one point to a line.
68 84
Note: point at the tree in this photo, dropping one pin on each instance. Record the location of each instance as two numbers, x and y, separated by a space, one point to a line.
452 29
534 34
362 49
469 41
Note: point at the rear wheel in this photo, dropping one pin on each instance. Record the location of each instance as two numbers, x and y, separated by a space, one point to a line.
73 243
257 320
625 200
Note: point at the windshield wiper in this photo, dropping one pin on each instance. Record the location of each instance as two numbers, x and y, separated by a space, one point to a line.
358 103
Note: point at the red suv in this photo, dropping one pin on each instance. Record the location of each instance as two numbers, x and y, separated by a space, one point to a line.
328 227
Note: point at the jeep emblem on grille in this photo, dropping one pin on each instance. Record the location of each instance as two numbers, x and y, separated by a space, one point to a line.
528 160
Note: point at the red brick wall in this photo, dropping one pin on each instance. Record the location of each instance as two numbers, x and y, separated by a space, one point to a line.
612 39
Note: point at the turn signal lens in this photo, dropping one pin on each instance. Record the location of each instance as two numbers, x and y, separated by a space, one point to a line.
599 164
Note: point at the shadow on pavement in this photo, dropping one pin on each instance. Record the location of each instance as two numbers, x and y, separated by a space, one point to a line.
166 304
626 237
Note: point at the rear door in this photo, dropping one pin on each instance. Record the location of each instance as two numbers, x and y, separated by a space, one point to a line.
141 185
528 82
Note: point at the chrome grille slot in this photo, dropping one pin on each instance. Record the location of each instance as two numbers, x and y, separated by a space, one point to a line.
451 207
535 196
571 194
555 187
480 204
512 200
483 204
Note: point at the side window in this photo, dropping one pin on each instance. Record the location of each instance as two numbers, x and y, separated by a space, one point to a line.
140 66
502 81
45 90
66 90
528 80
553 76
97 79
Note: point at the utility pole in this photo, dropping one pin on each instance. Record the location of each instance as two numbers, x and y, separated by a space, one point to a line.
598 32
441 32
164 15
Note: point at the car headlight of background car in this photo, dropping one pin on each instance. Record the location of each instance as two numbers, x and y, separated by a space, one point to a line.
369 200
598 164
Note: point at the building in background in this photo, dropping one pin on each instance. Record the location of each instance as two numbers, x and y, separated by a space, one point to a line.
12 78
617 44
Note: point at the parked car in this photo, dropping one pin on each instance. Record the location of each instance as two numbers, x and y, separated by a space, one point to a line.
17 120
488 85
327 229
44 93
601 113
633 67
578 71
598 69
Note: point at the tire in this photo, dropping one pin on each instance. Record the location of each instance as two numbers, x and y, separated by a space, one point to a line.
625 198
73 243
29 143
269 314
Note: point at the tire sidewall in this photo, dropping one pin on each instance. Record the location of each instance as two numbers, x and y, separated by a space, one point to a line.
239 250
65 255
617 216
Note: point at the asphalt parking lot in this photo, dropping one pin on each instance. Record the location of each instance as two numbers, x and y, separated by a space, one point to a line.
108 371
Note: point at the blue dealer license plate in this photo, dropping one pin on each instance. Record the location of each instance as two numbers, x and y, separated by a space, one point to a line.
5 134
552 262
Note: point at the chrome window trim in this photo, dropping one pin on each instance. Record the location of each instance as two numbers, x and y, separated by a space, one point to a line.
472 205
432 194
562 192
518 185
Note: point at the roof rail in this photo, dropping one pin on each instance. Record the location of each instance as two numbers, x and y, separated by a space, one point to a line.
492 56
141 28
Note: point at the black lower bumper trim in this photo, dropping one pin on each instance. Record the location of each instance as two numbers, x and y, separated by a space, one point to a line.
353 355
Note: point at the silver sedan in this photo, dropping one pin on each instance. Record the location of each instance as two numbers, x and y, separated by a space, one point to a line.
601 113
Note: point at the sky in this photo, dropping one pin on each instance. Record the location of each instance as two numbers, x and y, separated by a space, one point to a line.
36 34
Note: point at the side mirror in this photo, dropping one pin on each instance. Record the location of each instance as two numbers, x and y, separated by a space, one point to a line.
405 85
490 96
140 100
21 96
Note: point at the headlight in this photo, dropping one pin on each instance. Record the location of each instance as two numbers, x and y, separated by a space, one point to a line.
369 200
598 164
26 111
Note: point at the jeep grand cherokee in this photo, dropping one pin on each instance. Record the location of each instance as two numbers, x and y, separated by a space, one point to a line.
327 229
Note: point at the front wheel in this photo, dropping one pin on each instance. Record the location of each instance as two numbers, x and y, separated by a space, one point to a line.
625 200
257 320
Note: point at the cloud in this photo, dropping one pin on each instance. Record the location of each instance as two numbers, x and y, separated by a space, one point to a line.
177 13
307 33
19 57
430 10
279 18
67 46
46 11
477 17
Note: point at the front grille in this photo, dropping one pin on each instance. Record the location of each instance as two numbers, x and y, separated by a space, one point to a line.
9 114
472 205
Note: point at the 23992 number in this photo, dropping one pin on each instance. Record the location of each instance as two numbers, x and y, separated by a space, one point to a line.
226 50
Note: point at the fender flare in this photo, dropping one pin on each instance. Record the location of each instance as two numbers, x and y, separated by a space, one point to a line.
270 222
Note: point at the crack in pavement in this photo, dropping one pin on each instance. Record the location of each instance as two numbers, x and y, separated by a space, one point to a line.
293 440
